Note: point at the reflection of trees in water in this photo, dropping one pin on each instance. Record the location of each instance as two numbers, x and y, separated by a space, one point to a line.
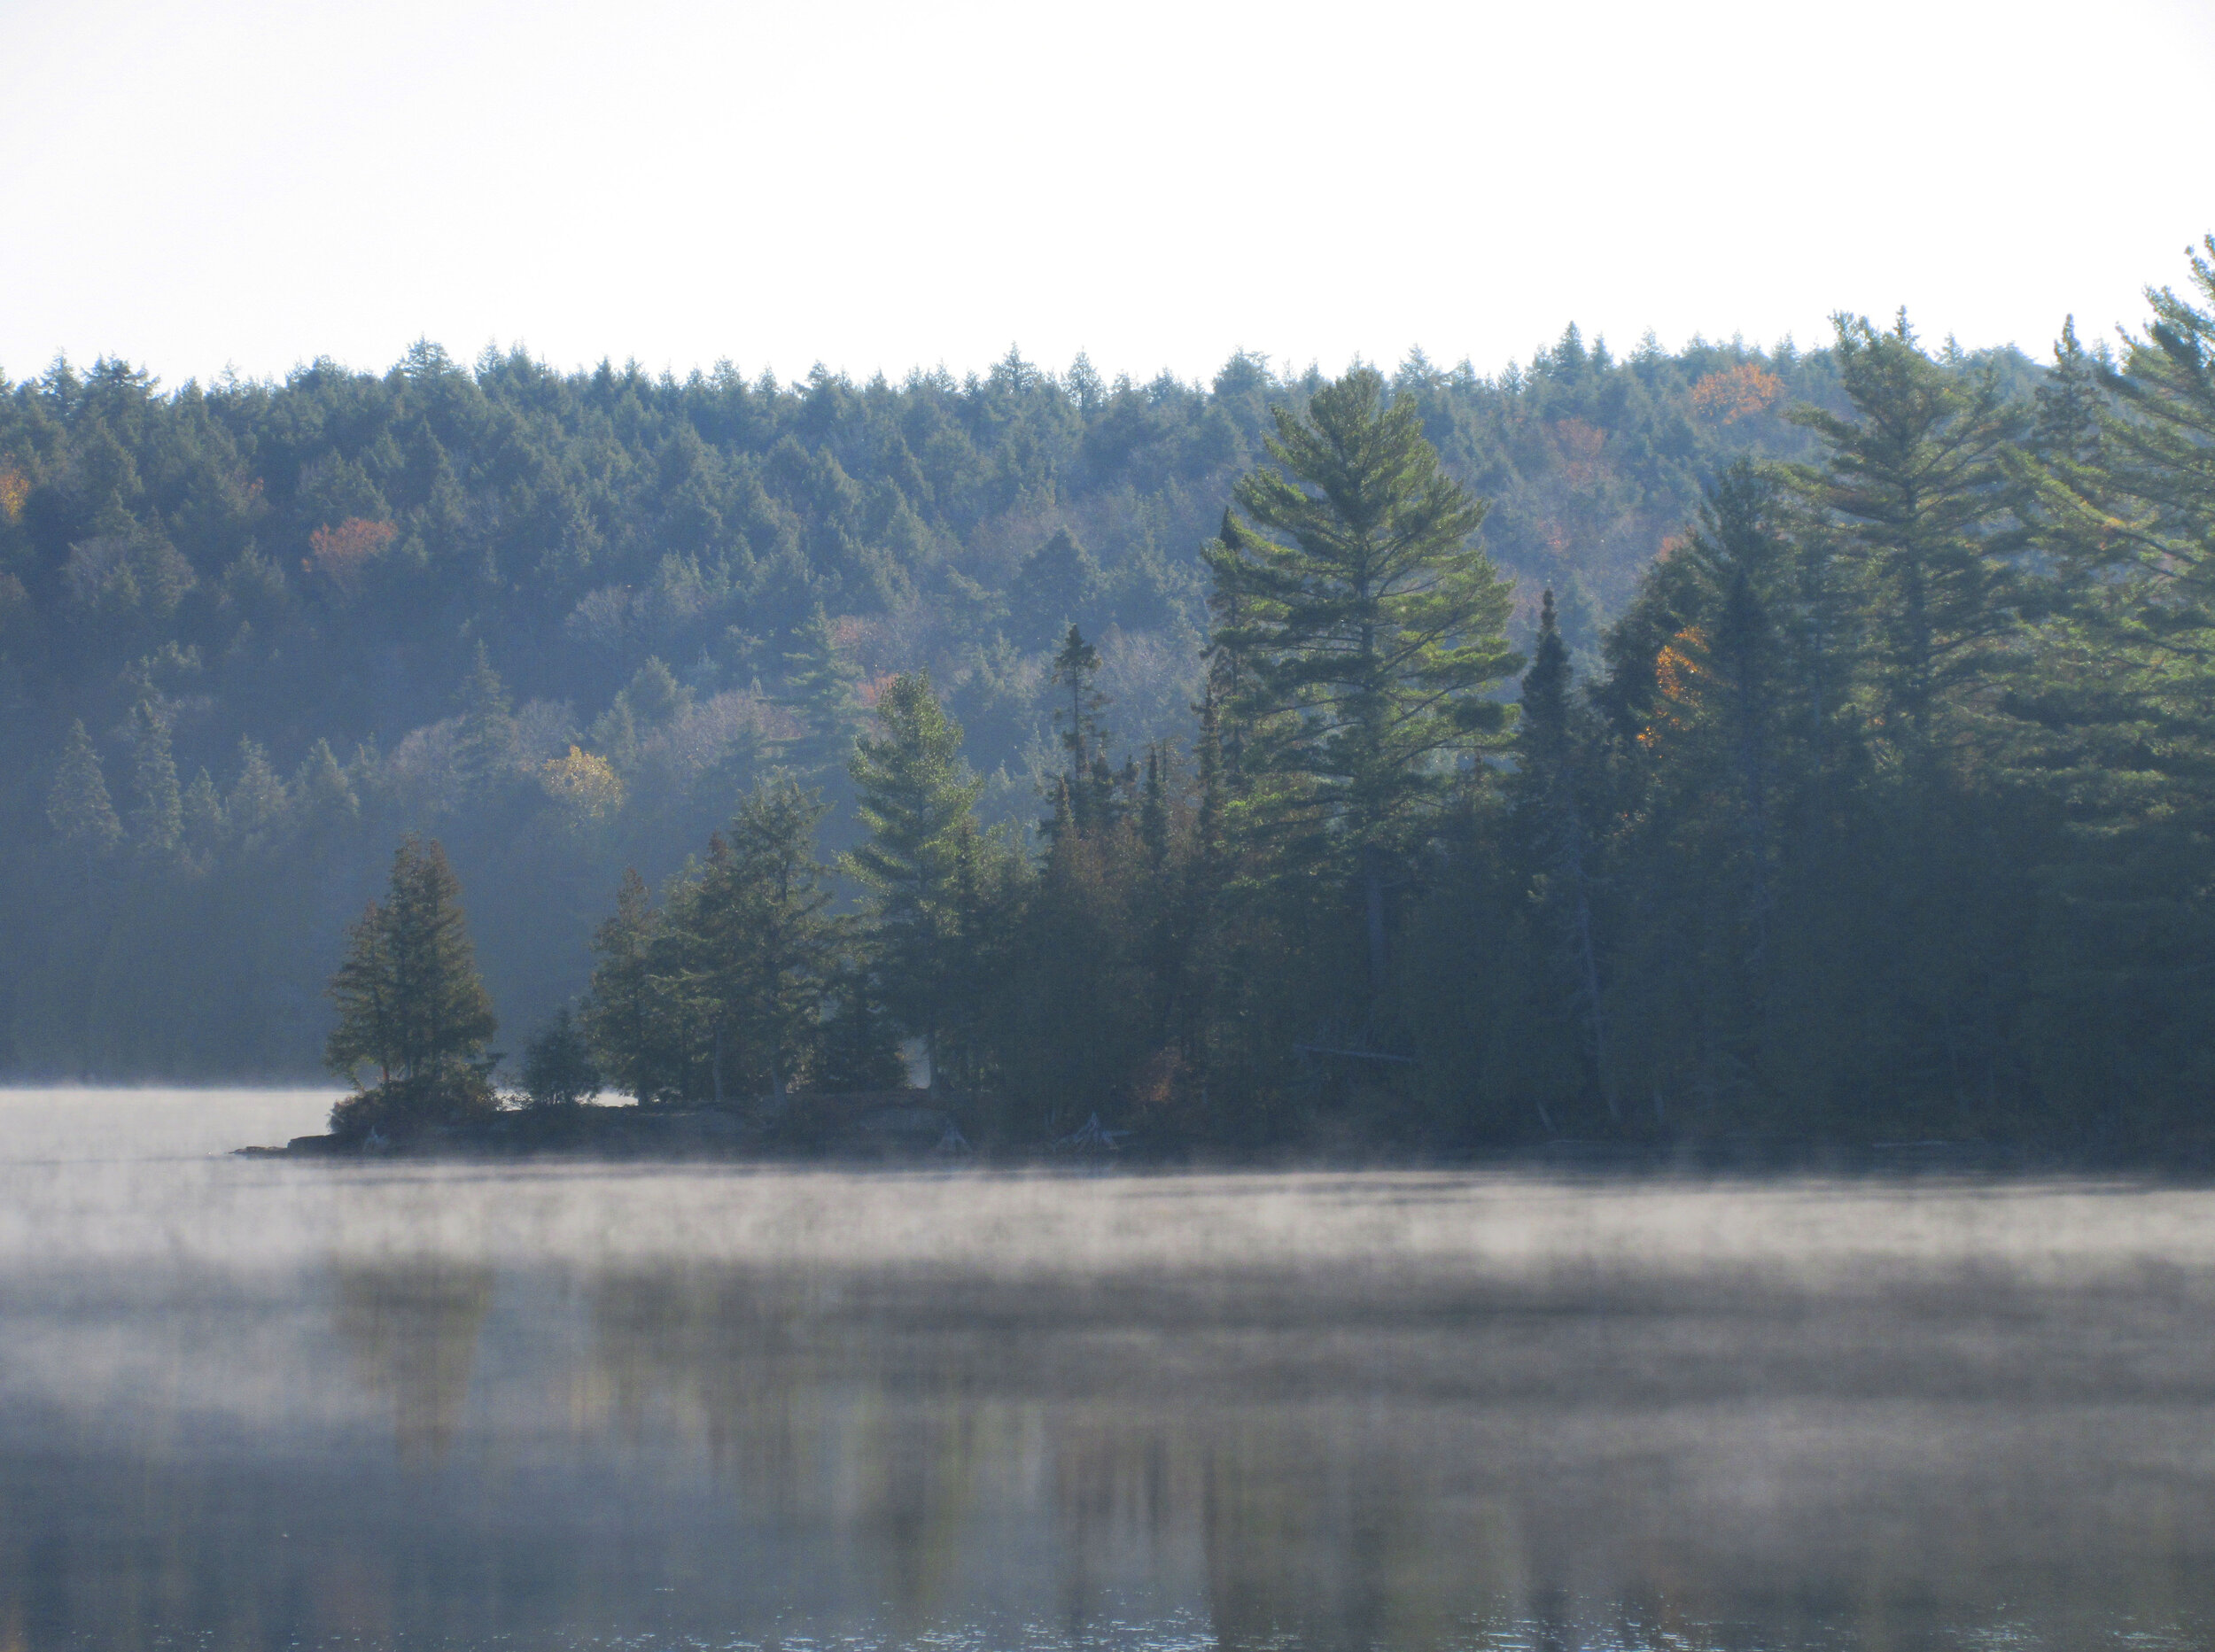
933 1445
874 1455
815 1418
411 1329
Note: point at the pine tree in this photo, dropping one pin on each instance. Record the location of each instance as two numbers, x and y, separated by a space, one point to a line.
1917 484
1373 632
77 805
2129 506
157 810
1228 678
409 998
2123 692
916 797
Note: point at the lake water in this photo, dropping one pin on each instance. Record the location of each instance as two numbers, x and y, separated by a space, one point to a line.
256 1404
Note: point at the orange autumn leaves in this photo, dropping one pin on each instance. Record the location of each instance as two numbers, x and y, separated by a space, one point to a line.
341 553
1680 673
1736 394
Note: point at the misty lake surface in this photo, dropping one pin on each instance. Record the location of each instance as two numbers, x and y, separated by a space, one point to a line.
260 1404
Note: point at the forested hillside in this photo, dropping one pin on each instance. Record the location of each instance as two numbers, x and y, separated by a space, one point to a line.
564 621
1882 813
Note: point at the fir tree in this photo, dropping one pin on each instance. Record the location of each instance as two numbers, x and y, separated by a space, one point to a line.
322 789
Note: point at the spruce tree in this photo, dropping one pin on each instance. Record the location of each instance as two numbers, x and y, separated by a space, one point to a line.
409 998
1371 631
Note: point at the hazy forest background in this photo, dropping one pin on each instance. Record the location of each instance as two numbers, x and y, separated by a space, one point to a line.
565 623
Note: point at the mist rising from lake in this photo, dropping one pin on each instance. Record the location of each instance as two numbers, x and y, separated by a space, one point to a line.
253 1403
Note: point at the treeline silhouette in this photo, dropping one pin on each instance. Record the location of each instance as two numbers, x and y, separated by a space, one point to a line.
288 588
1879 809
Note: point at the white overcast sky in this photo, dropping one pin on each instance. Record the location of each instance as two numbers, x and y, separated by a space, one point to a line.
882 186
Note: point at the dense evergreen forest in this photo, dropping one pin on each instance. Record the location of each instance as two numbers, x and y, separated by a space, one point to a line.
1801 743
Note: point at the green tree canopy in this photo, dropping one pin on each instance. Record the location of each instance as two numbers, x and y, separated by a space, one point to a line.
820 688
409 1000
1371 631
757 947
1916 485
77 805
558 1070
916 802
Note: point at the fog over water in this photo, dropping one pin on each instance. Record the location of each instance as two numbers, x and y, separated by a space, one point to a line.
254 1403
